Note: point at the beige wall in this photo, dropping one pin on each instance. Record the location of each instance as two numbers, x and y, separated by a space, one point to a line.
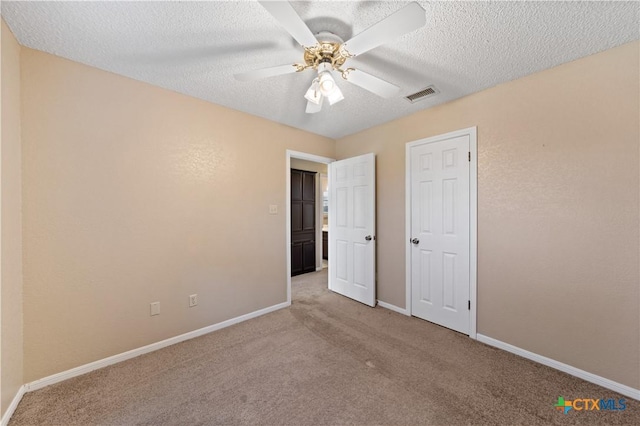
558 219
135 194
11 244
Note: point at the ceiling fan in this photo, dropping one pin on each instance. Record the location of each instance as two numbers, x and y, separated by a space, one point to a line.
326 53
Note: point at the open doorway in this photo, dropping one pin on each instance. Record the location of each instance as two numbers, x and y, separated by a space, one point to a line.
317 164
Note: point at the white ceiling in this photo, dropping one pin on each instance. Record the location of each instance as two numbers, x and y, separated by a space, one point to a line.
195 48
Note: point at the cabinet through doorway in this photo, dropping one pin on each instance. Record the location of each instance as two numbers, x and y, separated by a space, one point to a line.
303 222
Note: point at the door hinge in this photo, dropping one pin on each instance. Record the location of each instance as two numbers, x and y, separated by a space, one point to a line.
469 305
469 155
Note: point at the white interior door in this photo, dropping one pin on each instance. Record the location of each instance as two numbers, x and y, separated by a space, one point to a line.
440 237
352 246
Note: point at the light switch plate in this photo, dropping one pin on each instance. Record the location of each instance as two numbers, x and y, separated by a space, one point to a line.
155 308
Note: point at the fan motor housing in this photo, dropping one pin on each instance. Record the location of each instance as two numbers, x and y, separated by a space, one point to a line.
328 49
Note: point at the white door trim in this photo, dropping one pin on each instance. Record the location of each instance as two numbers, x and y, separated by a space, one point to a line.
473 218
301 156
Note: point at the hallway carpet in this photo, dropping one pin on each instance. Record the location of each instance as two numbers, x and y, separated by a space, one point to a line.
326 360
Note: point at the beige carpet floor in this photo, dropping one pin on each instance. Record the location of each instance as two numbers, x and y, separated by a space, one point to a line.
326 360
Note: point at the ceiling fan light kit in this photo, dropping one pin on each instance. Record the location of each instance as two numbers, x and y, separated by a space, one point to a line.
323 86
326 53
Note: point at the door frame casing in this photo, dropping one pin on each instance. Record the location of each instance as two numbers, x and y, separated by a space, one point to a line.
301 156
471 132
320 221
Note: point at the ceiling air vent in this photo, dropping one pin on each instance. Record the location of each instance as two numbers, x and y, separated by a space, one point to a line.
422 94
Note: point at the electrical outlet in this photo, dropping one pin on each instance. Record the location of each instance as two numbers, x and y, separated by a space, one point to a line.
193 300
273 209
155 308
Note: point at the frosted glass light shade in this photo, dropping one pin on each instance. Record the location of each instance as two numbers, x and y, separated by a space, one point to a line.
314 93
327 84
335 96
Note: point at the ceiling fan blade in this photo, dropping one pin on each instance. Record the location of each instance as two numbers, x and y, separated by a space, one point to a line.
266 72
290 21
373 84
312 107
407 19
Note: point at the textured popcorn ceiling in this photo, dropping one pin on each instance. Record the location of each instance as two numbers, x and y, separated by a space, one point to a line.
195 48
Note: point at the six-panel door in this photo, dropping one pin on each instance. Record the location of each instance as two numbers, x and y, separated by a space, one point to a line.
352 228
440 232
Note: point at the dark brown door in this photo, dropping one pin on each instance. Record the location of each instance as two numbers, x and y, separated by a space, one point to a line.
303 222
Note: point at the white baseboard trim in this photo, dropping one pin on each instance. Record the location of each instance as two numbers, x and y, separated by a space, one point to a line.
12 407
584 375
83 369
393 308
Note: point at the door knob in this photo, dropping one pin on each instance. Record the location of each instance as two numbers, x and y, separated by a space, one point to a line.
415 241
368 238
